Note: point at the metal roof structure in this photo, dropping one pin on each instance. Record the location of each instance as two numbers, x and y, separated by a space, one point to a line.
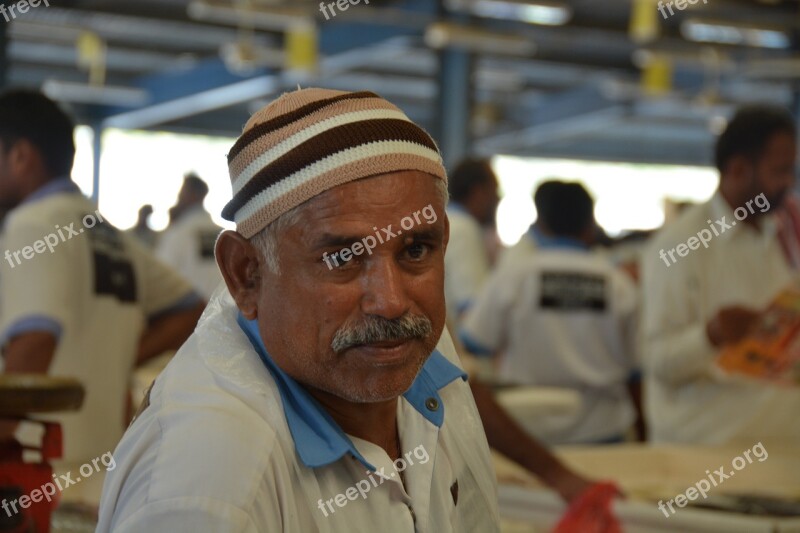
620 80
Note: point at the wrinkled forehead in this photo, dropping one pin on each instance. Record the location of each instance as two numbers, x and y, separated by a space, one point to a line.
374 202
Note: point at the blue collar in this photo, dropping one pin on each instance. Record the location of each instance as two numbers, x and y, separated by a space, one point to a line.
56 186
547 241
318 439
456 207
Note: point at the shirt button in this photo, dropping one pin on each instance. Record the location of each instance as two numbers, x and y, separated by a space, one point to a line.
432 404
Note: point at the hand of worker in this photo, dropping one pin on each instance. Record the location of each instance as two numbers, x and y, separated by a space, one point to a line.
731 324
568 484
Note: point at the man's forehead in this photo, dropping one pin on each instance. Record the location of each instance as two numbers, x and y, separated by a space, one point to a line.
376 196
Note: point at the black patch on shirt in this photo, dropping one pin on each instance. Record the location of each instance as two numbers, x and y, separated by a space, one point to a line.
572 291
206 241
454 492
113 270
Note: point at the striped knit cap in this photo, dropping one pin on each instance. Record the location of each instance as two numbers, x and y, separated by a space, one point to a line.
312 140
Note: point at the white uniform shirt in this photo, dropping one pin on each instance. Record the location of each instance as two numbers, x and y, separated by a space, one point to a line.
524 249
564 317
230 443
466 262
741 266
95 293
188 247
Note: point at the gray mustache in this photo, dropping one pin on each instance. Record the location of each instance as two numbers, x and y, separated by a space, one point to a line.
378 329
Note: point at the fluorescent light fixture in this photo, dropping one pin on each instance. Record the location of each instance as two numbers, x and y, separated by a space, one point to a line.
442 35
544 13
787 68
246 57
264 18
730 33
81 93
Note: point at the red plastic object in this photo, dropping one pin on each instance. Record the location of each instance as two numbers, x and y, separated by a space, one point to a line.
33 482
591 512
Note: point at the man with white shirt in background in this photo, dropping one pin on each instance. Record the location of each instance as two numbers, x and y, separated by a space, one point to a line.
710 296
526 246
91 303
188 243
563 317
473 202
142 230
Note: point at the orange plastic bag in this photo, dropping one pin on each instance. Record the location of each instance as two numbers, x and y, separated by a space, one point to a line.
591 512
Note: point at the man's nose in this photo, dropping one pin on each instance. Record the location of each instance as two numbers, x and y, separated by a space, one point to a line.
384 286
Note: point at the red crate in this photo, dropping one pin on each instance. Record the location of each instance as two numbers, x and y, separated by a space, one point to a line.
30 481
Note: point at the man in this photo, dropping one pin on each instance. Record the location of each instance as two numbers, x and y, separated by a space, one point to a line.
703 298
564 317
313 395
77 297
188 243
526 246
141 230
473 193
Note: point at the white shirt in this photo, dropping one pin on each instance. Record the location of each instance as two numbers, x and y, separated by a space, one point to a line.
741 266
95 293
564 317
466 262
524 249
188 247
229 444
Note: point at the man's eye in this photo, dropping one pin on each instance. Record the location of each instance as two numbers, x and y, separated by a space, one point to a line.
336 262
418 251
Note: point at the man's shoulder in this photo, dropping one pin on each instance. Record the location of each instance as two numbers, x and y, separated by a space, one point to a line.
197 219
200 435
553 259
461 221
199 393
55 209
688 223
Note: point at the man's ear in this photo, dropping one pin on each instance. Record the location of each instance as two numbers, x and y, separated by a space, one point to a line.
240 265
740 168
24 158
446 238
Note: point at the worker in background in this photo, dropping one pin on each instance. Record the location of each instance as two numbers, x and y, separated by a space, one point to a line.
78 298
788 218
526 246
701 298
473 202
142 230
188 243
565 317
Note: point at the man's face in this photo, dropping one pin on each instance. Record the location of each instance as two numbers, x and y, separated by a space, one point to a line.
775 169
10 190
491 198
301 310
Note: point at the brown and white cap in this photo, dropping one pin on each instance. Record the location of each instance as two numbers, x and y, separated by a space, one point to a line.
311 140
